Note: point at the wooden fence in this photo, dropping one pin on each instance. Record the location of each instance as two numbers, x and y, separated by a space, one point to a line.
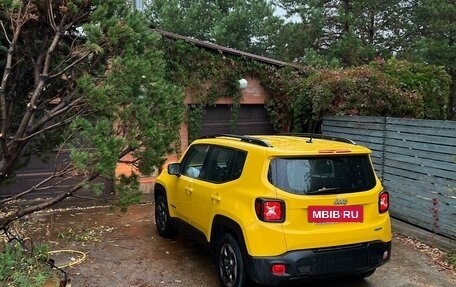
416 160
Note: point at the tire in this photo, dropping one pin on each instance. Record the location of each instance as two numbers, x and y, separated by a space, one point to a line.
162 218
230 264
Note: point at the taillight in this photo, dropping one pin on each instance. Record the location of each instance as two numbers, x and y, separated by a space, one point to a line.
270 210
383 202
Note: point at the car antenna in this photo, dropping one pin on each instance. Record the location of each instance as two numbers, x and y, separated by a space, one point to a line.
313 124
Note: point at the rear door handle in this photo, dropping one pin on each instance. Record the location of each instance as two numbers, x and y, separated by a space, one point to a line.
215 197
188 190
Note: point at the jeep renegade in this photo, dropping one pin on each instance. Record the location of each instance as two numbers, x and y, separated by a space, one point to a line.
279 208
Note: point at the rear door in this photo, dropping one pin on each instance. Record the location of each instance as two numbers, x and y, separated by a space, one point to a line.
330 200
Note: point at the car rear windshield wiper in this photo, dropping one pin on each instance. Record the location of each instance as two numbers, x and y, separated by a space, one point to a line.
324 190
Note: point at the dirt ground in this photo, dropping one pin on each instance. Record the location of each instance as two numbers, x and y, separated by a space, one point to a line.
124 249
121 249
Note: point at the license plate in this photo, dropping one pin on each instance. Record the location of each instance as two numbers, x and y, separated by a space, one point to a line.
329 214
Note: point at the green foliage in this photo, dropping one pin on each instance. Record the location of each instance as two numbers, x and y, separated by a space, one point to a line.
92 82
357 32
350 38
395 88
451 258
207 77
282 84
195 115
244 25
136 108
301 97
353 32
121 86
128 191
434 43
432 83
357 91
312 59
19 268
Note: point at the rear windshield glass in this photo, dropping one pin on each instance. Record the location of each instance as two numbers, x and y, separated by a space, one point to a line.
322 175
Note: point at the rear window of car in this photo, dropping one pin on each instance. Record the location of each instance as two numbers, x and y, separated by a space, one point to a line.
322 175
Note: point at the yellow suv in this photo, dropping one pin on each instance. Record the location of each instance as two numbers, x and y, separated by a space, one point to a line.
277 209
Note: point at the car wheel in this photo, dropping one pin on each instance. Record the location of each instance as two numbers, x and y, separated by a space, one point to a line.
162 219
230 263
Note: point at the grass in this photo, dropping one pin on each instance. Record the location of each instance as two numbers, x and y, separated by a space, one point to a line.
24 269
451 259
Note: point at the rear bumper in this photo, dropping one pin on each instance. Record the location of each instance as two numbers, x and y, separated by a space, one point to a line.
346 260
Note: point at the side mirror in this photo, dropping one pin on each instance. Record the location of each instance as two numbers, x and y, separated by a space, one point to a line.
174 169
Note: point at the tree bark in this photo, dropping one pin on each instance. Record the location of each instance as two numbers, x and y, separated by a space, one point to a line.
47 203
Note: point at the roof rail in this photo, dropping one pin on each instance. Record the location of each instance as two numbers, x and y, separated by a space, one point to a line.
248 139
321 136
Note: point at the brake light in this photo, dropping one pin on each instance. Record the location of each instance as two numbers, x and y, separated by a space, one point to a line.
334 151
270 210
383 202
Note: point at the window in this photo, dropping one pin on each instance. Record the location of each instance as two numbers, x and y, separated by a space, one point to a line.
193 161
223 164
322 175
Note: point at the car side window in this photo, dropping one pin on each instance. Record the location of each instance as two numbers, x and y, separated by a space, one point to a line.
193 161
223 164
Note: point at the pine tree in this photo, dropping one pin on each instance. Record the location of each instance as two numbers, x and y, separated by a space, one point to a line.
249 26
83 76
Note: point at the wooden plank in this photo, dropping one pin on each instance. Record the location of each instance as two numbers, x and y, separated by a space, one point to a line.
377 161
424 216
442 128
422 122
426 210
363 126
420 172
422 130
355 132
445 202
392 170
347 121
425 155
418 162
409 201
370 142
446 160
355 119
400 163
430 146
396 181
421 202
429 159
410 215
420 138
